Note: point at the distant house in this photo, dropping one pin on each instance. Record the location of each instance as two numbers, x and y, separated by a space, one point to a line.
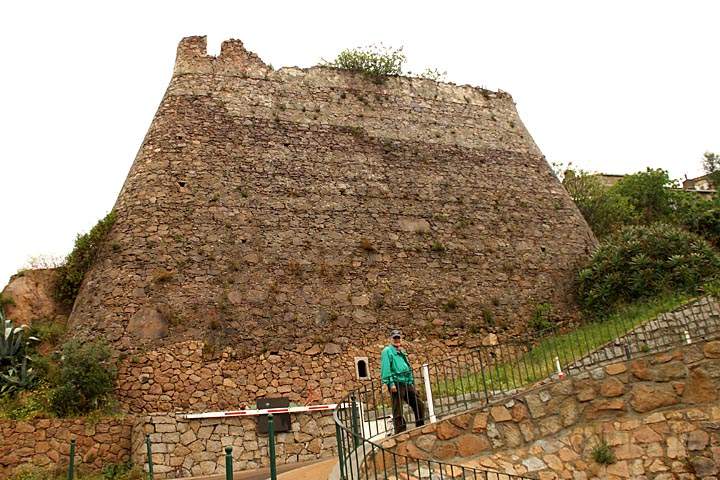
703 183
608 179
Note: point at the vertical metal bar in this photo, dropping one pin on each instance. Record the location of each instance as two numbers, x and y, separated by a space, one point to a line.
271 446
148 447
71 464
228 463
428 393
482 374
354 420
341 456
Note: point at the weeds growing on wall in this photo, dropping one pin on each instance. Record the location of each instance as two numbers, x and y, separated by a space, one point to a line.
377 62
603 454
374 61
78 262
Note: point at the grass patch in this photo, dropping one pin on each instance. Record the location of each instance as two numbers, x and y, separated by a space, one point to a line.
603 454
537 363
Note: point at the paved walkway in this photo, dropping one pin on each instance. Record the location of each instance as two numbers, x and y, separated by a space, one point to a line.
315 470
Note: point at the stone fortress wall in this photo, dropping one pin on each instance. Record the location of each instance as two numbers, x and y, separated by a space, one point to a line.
275 212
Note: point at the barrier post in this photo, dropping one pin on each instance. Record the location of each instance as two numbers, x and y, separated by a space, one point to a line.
271 446
71 464
228 463
148 448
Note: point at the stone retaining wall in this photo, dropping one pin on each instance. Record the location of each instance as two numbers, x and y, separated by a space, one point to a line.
45 443
660 414
183 448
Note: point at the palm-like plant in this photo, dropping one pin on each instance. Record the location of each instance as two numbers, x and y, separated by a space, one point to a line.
15 372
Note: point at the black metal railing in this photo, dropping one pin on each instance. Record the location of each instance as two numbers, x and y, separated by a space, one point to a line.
490 374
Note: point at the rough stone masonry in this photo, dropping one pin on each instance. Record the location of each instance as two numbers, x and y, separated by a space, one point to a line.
307 210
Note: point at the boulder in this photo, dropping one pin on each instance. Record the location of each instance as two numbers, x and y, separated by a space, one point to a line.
30 296
148 324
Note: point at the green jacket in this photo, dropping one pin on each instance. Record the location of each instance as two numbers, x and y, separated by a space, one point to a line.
395 367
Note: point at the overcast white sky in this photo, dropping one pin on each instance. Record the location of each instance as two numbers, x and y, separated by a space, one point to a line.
612 86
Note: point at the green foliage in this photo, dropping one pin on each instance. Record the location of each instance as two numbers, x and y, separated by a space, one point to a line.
375 61
27 405
537 363
124 471
604 210
450 305
433 74
16 373
78 262
603 454
85 379
437 246
541 317
711 165
697 215
641 262
648 192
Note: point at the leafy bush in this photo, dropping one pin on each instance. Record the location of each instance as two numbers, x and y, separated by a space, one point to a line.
649 193
697 215
16 374
641 262
85 379
604 210
375 61
77 263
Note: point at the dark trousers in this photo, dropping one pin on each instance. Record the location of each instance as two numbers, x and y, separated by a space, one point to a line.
407 394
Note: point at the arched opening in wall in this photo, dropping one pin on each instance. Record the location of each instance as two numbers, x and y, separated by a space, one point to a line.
361 368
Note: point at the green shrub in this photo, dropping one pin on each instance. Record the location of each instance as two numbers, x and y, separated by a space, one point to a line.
604 210
649 193
540 319
697 215
85 379
603 454
78 262
642 262
375 61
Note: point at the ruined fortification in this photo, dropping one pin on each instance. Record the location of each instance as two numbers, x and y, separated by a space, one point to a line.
278 222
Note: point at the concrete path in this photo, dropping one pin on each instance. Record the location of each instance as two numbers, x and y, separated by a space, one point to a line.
317 471
290 471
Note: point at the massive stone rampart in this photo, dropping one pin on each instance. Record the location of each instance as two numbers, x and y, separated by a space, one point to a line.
283 210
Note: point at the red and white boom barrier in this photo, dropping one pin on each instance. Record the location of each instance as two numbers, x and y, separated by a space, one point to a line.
264 411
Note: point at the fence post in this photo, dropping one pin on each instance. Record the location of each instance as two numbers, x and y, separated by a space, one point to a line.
228 463
271 446
148 447
355 421
428 393
341 454
71 464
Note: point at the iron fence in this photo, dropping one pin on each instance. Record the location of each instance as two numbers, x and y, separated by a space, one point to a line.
492 373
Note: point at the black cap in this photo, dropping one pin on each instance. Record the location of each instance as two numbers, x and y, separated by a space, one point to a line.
395 334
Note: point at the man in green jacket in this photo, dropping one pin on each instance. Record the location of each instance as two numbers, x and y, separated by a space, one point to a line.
397 374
